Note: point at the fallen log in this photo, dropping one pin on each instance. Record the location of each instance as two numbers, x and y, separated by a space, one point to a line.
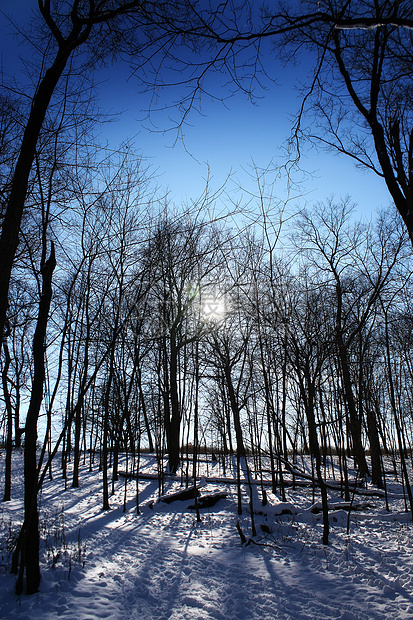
347 506
180 496
207 501
146 476
356 487
307 480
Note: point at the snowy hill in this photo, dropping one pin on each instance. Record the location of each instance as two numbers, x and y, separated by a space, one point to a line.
162 564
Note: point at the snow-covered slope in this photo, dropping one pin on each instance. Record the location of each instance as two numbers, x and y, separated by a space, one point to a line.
162 564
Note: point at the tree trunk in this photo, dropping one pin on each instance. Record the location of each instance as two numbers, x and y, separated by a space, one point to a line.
235 411
395 414
144 411
28 543
9 238
354 419
18 432
76 455
9 439
308 397
173 425
104 452
374 440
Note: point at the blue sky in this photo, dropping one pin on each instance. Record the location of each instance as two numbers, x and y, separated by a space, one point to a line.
226 137
229 137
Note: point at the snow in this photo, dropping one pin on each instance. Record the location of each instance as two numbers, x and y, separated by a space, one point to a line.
162 564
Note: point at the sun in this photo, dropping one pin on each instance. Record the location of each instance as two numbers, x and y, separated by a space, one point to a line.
214 308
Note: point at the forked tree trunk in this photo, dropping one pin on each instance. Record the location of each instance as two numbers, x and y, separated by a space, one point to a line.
354 419
374 440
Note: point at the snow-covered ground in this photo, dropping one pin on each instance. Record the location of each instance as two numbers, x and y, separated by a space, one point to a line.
162 564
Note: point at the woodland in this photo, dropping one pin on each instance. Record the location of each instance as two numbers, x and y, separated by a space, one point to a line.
258 331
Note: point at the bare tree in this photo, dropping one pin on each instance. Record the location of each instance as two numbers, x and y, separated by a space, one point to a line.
77 37
183 253
9 423
65 33
28 541
362 55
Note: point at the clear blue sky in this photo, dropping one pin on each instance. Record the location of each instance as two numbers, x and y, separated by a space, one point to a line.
225 137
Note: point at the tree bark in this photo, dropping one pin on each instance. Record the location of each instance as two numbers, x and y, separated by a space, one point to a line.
9 238
9 439
354 419
173 425
308 396
374 440
28 542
